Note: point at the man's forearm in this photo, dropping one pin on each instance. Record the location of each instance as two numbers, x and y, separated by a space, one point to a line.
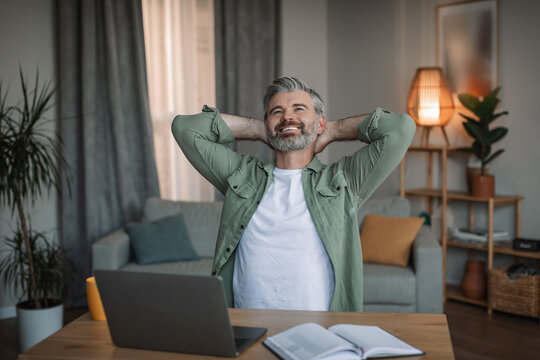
346 129
339 130
244 128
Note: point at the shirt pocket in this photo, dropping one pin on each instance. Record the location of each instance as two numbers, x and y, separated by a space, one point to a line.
238 200
335 195
239 185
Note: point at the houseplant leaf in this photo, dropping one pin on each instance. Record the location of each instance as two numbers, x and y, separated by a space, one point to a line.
468 117
476 131
495 154
496 134
495 116
469 101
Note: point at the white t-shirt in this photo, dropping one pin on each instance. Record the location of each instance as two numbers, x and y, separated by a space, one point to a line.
281 262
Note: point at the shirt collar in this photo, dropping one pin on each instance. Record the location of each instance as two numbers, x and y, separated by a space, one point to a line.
314 165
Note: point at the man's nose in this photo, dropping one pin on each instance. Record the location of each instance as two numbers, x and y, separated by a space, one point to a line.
288 114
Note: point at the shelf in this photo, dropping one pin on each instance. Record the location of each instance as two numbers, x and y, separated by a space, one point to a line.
454 292
462 195
507 249
442 153
435 149
501 248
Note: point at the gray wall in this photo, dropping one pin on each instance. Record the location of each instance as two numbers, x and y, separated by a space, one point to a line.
374 48
26 38
305 41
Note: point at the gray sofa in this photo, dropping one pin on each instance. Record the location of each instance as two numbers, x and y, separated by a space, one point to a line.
415 288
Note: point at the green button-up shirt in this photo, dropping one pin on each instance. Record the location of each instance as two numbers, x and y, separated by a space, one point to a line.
333 193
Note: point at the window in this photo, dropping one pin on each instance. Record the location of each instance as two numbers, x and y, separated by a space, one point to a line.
179 41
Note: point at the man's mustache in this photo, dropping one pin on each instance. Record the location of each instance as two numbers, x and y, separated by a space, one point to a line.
286 124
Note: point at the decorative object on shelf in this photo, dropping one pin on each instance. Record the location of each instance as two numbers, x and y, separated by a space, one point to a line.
516 294
430 101
474 167
483 185
30 163
522 244
477 235
474 281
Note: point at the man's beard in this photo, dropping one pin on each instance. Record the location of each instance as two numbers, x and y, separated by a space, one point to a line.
290 143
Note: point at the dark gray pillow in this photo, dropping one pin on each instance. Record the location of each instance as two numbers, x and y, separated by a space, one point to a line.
162 240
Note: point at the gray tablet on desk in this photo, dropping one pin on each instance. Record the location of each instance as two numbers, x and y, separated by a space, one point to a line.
171 312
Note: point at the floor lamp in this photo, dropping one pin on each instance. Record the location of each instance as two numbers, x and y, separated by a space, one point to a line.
430 101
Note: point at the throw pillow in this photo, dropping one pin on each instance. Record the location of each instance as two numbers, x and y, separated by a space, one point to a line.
387 240
163 240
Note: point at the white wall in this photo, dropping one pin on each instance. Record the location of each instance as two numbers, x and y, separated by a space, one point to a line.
26 38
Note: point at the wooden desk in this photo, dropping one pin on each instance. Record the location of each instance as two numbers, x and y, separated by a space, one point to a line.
88 339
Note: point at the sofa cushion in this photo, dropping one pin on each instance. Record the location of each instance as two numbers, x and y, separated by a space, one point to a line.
386 284
203 220
390 206
387 240
161 240
202 267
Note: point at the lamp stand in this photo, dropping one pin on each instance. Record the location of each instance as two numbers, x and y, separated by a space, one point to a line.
425 135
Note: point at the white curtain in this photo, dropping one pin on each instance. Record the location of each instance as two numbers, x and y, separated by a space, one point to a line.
179 41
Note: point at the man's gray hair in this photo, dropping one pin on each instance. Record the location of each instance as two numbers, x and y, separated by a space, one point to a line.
290 84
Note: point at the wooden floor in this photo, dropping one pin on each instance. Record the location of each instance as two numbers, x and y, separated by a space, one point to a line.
475 335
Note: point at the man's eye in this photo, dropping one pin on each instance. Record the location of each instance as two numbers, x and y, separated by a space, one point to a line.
299 109
276 112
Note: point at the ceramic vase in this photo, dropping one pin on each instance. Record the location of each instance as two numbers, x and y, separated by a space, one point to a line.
474 281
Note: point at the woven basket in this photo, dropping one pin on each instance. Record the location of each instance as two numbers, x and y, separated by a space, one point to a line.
520 296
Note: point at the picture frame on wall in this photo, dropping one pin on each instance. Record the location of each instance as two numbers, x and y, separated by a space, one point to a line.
468 45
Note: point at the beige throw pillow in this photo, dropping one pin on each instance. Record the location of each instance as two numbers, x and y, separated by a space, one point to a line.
387 240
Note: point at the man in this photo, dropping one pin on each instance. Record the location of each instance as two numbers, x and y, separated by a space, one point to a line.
289 235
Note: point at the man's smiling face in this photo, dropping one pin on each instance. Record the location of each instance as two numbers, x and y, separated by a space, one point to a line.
291 121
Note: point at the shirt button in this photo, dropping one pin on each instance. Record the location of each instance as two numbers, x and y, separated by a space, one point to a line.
234 187
214 272
258 202
338 188
241 226
228 249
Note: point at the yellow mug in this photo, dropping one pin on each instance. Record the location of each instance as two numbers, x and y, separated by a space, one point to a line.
94 300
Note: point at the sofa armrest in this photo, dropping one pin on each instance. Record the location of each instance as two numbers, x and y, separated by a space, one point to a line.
427 262
111 252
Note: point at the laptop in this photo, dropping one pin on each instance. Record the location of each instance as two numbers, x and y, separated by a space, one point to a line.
171 312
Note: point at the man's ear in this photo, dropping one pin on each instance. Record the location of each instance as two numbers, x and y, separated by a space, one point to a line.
322 124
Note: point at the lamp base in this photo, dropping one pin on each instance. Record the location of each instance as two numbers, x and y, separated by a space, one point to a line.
425 135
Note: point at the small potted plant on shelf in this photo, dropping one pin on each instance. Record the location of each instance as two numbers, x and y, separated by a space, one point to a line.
31 163
483 184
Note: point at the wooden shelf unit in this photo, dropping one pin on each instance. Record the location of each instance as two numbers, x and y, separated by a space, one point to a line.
453 292
445 195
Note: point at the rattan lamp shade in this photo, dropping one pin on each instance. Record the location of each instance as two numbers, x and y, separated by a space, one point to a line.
430 101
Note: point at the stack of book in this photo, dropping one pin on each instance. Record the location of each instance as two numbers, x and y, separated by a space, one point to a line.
477 235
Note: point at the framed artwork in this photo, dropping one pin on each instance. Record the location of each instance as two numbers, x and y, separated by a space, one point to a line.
468 45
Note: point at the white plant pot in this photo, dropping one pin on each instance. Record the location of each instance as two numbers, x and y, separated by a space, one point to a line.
37 324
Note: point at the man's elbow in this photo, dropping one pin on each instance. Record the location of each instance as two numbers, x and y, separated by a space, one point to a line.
407 127
180 128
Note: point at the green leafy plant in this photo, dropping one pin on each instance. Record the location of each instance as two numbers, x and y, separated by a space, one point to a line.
479 128
31 163
52 268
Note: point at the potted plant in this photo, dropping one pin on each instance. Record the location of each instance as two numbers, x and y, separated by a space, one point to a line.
30 164
483 184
